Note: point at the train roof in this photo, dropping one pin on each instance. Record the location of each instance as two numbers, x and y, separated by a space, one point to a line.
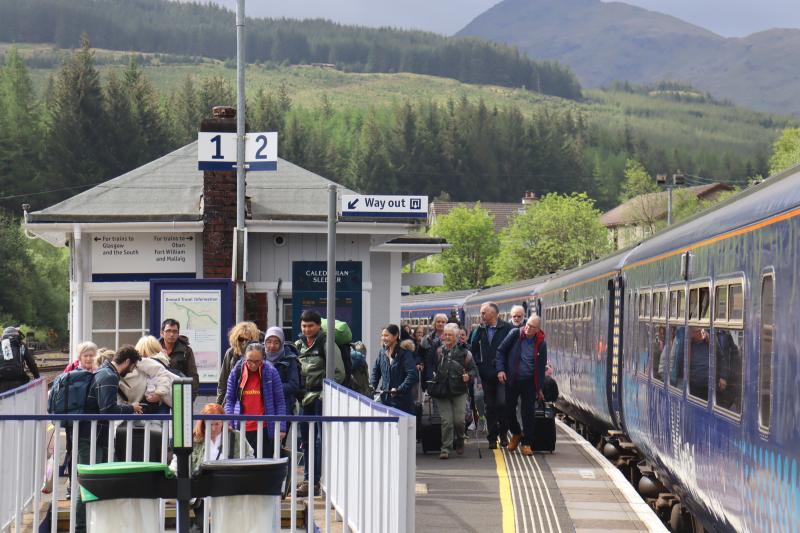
769 201
436 299
513 290
600 268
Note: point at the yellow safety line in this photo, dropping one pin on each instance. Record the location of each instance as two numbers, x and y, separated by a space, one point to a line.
506 504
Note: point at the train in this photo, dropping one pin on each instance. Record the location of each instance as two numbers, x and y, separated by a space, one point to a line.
682 346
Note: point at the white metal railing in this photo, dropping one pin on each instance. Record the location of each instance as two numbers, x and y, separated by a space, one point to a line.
362 440
369 468
22 454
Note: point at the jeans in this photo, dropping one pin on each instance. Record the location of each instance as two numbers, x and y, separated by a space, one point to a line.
312 409
524 391
268 443
451 409
84 449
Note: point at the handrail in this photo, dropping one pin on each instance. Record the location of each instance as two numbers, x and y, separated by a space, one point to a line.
20 389
167 418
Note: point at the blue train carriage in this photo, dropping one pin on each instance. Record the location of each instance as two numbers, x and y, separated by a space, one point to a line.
419 309
711 367
506 296
583 340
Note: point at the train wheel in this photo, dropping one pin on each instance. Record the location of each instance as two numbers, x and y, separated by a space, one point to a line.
682 521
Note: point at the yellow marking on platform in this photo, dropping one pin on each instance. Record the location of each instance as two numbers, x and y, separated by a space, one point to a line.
506 504
421 489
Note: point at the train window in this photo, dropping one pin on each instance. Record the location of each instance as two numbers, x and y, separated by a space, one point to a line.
705 304
693 308
699 351
643 342
728 348
736 303
721 303
676 345
765 350
659 349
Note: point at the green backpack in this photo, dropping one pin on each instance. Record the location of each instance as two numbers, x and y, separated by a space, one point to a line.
342 334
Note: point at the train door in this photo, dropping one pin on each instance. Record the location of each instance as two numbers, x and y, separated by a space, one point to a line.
616 304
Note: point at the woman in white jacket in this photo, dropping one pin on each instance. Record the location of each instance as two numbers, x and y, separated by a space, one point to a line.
151 382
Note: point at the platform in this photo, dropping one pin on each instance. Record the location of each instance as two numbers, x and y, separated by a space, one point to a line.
573 489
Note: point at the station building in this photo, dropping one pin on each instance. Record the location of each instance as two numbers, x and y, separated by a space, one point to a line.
167 219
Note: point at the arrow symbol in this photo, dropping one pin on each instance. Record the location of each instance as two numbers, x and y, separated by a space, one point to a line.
352 204
96 239
190 238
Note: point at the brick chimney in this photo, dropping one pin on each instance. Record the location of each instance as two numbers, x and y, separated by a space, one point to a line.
219 204
528 197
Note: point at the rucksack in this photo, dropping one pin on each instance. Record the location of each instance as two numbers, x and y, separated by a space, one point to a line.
360 376
69 392
171 369
11 359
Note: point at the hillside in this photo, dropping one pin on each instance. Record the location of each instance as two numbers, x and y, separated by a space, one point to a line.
603 42
206 30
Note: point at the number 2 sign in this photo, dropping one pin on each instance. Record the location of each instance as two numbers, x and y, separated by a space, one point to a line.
217 151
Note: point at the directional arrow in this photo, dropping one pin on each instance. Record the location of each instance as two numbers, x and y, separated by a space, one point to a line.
190 238
96 239
352 204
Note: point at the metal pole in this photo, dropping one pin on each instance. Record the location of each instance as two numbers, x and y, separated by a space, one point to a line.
330 347
669 203
240 137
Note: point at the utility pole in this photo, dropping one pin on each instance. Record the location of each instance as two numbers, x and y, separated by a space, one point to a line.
240 149
677 180
330 346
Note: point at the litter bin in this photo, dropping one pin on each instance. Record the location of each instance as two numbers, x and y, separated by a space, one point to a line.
123 497
245 493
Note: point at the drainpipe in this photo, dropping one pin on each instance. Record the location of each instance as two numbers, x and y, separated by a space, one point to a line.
77 310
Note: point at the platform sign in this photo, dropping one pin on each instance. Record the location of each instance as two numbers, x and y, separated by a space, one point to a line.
369 205
217 150
310 291
136 256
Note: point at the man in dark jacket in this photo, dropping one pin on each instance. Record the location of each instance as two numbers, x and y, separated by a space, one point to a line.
13 356
521 361
181 356
484 345
102 399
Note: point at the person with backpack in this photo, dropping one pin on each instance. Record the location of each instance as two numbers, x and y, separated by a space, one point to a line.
242 334
14 355
283 357
102 399
521 361
453 368
312 356
394 373
360 377
181 355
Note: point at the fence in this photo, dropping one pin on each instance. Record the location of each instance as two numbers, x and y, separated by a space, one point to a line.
362 440
22 458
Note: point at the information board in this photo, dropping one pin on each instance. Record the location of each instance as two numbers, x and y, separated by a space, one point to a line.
310 291
203 309
151 254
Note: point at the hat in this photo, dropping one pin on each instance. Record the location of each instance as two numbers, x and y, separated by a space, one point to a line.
275 331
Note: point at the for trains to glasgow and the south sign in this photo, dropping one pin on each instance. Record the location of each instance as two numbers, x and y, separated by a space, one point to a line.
366 205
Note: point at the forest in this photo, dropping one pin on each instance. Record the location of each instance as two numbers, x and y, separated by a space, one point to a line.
207 30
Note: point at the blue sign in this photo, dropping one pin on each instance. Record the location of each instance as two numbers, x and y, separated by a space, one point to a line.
310 291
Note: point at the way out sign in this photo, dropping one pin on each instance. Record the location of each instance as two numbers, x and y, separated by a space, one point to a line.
363 205
217 151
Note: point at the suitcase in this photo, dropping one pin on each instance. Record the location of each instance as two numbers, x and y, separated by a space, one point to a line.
544 428
429 425
137 442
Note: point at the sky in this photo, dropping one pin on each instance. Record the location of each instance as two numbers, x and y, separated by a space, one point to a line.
731 18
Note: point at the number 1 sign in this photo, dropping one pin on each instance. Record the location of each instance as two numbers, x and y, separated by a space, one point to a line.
217 151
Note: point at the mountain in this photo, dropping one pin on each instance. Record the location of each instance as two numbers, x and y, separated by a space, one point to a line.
604 42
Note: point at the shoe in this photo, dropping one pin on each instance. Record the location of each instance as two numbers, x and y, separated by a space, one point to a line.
514 442
302 489
444 455
492 444
526 450
504 440
460 448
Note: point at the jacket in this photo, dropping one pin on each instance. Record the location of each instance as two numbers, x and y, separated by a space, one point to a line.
228 362
427 353
312 367
182 358
510 351
399 373
102 399
132 387
289 370
271 393
451 365
485 351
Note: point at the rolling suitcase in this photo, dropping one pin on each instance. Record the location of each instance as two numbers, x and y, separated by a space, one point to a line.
429 423
544 427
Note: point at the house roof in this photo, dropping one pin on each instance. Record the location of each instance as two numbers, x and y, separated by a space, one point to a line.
170 188
502 212
654 204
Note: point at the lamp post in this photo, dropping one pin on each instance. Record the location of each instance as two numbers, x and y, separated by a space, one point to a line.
664 181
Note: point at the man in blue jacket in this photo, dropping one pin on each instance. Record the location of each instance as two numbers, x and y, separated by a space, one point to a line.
521 361
485 340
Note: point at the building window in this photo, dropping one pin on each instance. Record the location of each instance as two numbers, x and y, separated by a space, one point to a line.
119 322
286 320
765 351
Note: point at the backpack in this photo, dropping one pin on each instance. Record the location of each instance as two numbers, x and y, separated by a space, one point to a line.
69 392
171 369
360 376
11 359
